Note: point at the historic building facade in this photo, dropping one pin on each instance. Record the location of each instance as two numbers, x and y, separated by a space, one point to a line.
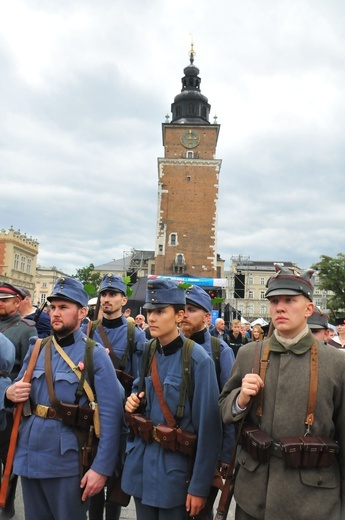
18 258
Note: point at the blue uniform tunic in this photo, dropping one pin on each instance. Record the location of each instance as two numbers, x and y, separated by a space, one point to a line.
116 332
226 360
162 478
48 448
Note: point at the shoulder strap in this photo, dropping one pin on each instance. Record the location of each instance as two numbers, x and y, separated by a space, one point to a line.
215 345
91 327
157 385
149 352
187 382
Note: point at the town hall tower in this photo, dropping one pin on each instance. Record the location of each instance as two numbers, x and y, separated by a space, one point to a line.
188 177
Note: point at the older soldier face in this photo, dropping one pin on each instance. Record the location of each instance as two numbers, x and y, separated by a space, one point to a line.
65 317
9 306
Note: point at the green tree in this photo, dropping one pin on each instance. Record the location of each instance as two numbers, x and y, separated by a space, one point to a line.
90 278
332 276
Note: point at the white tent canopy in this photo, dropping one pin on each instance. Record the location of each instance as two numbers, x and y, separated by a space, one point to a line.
259 321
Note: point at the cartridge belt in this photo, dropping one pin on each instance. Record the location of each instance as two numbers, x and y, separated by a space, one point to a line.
71 414
297 452
172 439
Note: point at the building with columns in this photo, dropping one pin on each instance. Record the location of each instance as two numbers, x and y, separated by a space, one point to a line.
18 258
188 177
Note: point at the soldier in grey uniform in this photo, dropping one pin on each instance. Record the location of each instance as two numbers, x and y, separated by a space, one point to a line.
288 462
48 453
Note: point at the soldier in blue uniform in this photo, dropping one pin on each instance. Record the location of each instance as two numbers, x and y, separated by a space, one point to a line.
47 455
112 331
166 484
198 308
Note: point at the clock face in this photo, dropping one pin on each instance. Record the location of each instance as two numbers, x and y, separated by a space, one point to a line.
190 139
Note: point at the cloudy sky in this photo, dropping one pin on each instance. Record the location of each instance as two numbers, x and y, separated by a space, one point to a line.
86 84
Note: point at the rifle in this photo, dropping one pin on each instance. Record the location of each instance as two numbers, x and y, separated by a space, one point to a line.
16 421
38 312
230 476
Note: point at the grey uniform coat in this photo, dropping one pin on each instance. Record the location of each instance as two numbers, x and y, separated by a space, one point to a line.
270 490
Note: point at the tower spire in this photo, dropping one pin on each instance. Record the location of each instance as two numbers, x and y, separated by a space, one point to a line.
192 53
191 106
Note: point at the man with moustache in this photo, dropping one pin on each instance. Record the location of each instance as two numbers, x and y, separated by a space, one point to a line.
114 333
295 413
48 454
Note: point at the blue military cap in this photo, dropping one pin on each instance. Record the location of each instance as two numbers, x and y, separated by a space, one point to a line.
198 297
290 282
318 320
69 289
111 282
162 292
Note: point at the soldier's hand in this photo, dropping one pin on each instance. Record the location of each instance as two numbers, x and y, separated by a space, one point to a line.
18 392
92 482
194 504
251 384
133 401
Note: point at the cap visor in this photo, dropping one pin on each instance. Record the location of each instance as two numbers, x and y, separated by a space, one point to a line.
283 292
156 305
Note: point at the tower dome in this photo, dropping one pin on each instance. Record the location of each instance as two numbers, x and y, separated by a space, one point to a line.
190 106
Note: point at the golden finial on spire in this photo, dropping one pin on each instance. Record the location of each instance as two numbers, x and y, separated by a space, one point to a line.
192 52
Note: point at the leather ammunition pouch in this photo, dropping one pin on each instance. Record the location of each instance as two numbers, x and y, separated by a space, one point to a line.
125 379
186 442
308 452
256 442
140 426
166 436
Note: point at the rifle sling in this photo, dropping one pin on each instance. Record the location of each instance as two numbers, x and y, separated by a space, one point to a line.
157 385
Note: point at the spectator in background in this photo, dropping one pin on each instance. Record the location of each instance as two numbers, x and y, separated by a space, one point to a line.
219 330
235 337
257 333
39 316
248 331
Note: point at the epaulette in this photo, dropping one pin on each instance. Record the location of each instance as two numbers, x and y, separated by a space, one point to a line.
30 323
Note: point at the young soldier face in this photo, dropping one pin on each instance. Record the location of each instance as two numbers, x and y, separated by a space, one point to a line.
289 314
112 303
163 323
65 317
193 320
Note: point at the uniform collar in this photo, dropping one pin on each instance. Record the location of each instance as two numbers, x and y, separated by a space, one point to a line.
170 348
112 324
199 337
298 345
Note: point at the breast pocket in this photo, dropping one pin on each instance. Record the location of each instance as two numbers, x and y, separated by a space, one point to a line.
66 385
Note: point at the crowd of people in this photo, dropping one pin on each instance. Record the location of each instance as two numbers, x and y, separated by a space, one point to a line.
148 407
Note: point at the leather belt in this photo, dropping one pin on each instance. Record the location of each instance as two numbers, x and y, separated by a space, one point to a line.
46 412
